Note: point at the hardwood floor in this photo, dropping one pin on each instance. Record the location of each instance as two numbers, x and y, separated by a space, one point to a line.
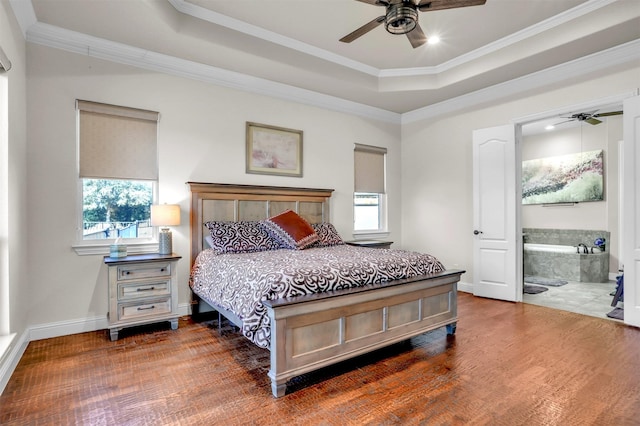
509 364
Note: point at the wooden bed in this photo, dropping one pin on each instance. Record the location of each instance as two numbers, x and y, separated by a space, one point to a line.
313 331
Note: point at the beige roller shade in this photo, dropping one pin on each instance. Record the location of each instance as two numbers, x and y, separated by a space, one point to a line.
369 169
117 142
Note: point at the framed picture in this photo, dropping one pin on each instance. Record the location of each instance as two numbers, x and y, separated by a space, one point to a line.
274 150
572 178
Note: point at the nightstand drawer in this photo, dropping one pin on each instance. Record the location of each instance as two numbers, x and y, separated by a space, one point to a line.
144 270
148 308
137 290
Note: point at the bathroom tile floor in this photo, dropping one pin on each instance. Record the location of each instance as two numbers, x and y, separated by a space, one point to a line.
591 299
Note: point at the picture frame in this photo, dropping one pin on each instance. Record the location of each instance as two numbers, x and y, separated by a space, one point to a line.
273 150
571 178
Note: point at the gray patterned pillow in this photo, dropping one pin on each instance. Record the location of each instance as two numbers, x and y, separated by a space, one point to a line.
328 235
240 237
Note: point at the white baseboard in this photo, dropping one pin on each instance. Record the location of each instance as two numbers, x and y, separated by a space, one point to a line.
184 309
64 328
83 325
10 360
466 287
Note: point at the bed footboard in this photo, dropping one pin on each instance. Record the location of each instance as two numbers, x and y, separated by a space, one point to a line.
311 332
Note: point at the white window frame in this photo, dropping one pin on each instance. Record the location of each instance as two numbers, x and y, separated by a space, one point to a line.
6 337
382 230
101 246
382 218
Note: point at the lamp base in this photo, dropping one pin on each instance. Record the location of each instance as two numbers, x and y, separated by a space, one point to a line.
164 242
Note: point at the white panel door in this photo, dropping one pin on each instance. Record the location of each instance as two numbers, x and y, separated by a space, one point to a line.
496 264
631 211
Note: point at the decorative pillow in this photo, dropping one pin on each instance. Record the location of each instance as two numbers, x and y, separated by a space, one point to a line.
291 230
240 237
328 236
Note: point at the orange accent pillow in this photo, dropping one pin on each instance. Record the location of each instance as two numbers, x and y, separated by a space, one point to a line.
291 230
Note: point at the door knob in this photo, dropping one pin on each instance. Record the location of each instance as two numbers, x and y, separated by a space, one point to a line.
476 232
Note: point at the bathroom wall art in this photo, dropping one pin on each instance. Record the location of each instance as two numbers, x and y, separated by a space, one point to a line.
572 178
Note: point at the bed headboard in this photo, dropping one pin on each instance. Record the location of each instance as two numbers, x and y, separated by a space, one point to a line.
229 202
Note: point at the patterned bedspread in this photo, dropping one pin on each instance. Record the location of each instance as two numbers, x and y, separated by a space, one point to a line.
240 282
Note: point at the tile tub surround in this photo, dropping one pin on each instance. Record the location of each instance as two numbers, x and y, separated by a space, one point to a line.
564 237
592 267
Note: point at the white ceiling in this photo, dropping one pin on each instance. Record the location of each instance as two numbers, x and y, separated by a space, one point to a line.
291 46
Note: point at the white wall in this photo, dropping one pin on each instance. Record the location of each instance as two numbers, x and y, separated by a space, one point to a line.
14 227
437 165
597 215
201 138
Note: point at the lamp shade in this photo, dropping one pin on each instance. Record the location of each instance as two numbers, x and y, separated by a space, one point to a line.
165 215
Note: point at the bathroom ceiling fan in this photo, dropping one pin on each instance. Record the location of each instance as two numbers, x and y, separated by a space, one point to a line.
401 17
589 117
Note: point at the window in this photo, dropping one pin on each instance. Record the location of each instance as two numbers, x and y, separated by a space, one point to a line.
118 171
369 212
5 306
366 211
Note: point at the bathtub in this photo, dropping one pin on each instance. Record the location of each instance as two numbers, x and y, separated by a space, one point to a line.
559 249
565 262
550 248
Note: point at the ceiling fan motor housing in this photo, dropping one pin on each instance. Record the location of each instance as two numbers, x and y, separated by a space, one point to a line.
401 18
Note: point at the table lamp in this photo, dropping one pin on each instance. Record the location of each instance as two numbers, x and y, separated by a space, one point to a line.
165 215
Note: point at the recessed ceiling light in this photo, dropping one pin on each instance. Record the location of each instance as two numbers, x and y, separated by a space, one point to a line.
433 40
550 127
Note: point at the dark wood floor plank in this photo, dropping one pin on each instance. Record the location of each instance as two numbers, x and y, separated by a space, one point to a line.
509 364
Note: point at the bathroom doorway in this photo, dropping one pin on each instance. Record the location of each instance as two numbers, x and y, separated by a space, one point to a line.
584 128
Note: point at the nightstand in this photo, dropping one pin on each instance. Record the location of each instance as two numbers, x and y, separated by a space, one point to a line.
143 289
370 243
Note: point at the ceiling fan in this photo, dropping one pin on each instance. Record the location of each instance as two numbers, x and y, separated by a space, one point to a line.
401 17
589 117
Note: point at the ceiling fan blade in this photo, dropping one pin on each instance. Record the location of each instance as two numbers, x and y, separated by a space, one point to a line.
376 2
562 122
416 36
593 121
363 30
607 114
429 5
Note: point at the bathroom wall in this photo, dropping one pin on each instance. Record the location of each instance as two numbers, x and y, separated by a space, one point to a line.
595 215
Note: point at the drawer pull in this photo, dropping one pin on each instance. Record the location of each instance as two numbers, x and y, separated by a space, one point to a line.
146 289
163 270
147 308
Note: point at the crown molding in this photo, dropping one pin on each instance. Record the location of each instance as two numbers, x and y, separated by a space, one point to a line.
52 36
71 41
83 44
25 15
517 37
622 54
204 14
183 6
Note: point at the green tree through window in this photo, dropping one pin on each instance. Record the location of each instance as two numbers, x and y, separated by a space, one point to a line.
113 207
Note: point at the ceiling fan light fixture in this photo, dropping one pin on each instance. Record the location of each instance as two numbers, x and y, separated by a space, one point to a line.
434 39
401 19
